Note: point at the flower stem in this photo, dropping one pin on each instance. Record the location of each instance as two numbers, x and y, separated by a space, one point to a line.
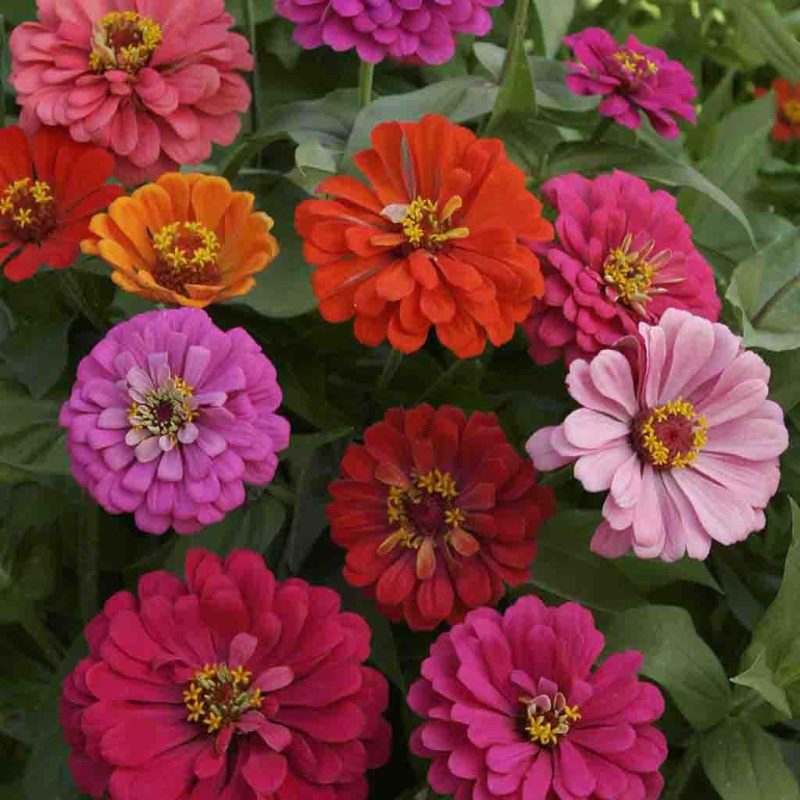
365 75
87 559
445 378
2 71
683 772
600 130
73 292
249 22
390 367
48 644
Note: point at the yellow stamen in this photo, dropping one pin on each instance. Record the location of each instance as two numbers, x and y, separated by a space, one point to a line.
124 40
630 272
660 453
791 110
218 696
636 64
424 224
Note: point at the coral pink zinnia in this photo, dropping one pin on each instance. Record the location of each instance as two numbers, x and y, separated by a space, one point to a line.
232 686
513 710
631 78
436 511
681 433
624 255
169 418
155 82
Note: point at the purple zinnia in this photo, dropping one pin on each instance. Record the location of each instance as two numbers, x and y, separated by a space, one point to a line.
169 418
631 77
416 31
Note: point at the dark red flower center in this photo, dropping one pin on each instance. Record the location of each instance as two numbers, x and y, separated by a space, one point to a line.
632 67
424 225
186 255
546 719
671 435
124 40
425 516
218 696
165 410
28 209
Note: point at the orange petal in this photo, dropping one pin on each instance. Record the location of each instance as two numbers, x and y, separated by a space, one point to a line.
211 197
426 559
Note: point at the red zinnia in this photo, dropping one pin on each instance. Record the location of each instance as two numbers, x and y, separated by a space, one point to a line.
232 686
787 113
50 187
437 238
436 511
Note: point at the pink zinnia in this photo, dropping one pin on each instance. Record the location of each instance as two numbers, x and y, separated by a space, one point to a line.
154 81
514 711
169 418
416 31
624 255
681 433
631 78
232 686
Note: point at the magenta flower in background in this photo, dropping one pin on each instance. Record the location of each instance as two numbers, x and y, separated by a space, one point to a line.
513 710
169 418
230 686
624 254
155 81
415 31
631 78
680 433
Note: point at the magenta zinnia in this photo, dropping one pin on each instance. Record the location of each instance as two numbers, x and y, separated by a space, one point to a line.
624 255
169 418
632 78
155 82
230 686
514 710
680 432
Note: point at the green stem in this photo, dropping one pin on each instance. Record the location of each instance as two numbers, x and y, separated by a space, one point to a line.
445 378
48 644
2 71
390 367
683 773
600 130
74 295
365 76
787 287
88 558
249 22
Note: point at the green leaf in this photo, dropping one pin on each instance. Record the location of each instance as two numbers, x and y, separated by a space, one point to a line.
650 574
19 11
460 99
646 163
761 679
554 19
743 762
766 287
676 657
762 24
302 445
36 353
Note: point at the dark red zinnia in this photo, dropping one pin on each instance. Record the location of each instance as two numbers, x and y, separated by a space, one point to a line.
436 511
50 187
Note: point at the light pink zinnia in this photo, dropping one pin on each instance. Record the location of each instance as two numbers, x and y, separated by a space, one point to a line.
681 433
154 81
624 255
514 711
169 418
631 77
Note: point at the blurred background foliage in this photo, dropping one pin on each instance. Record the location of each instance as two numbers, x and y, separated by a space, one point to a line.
722 637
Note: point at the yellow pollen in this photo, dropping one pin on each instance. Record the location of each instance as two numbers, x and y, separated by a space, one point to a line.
425 226
636 64
202 252
548 719
28 205
630 272
791 110
219 696
124 40
661 453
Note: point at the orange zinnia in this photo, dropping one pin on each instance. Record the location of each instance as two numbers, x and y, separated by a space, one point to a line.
185 239
440 237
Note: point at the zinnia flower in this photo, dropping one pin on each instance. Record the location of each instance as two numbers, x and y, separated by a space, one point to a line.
682 434
434 240
436 511
631 78
49 188
624 255
186 239
513 710
232 685
170 417
420 31
155 82
787 115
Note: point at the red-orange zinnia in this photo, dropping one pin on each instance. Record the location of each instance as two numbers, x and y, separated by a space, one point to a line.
787 113
440 237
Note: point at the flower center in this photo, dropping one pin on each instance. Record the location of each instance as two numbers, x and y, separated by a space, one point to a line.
27 206
670 436
634 67
630 272
124 40
791 110
219 696
186 253
424 224
163 411
548 718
